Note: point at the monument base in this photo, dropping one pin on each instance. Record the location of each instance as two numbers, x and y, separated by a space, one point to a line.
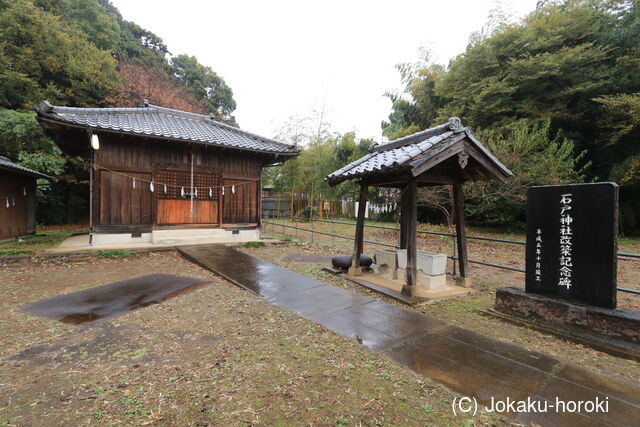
614 331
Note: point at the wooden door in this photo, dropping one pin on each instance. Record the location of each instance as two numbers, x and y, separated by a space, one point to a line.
122 203
241 206
173 206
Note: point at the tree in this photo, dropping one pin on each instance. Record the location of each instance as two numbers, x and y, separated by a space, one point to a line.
203 83
90 16
43 57
574 64
143 81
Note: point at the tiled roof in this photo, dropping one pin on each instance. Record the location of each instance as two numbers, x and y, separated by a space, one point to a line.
7 164
167 123
400 153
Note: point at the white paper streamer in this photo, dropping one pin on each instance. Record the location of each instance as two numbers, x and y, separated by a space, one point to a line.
223 191
151 188
7 204
13 201
165 188
233 189
181 191
210 192
134 183
195 193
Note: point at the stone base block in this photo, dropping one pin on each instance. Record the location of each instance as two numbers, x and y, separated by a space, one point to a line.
464 282
424 281
622 324
354 271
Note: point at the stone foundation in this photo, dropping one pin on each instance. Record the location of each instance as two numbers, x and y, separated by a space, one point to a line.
621 324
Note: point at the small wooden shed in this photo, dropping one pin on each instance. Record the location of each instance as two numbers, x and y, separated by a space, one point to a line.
448 154
17 200
157 169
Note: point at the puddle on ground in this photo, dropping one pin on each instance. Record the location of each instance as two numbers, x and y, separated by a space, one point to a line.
114 299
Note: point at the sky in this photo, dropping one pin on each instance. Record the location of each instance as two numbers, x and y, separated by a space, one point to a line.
286 59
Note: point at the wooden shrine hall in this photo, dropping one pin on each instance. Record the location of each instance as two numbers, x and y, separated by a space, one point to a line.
17 200
163 176
447 154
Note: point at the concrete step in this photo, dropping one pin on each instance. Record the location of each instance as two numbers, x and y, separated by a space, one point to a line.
190 232
186 240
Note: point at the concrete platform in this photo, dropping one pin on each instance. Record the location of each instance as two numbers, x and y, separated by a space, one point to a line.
393 288
156 239
467 362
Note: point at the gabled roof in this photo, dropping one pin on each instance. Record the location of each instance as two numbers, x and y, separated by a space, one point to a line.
7 164
165 123
412 151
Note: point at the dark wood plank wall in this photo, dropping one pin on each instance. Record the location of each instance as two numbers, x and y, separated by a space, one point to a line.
240 207
18 220
121 203
117 203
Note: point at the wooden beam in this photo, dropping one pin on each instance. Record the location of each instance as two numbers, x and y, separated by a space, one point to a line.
411 206
358 244
439 155
481 158
458 211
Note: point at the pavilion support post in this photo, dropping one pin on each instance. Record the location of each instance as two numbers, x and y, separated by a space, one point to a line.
410 225
358 244
402 238
463 262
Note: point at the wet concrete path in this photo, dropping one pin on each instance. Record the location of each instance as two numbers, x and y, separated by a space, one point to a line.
469 363
111 300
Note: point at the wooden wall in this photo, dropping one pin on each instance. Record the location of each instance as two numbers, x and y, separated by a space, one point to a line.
118 207
18 220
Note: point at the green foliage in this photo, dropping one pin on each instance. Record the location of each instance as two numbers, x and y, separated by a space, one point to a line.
256 244
571 66
306 213
323 153
94 20
204 83
116 254
45 57
19 131
10 252
538 156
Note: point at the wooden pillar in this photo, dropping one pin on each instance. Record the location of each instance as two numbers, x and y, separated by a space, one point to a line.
403 219
358 244
410 221
458 211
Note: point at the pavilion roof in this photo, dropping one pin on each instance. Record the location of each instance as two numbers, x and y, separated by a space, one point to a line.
419 152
